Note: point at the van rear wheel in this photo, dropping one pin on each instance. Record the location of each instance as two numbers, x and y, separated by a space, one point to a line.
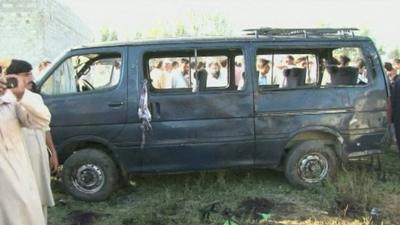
90 175
309 163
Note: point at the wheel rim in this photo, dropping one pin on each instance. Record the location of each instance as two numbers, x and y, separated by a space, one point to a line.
313 168
88 178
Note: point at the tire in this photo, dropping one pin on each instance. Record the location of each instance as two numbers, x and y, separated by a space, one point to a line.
309 163
97 173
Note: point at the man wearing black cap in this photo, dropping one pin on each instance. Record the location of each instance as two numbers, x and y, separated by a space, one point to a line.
35 141
20 202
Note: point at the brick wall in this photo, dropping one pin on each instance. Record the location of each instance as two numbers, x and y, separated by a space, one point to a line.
38 29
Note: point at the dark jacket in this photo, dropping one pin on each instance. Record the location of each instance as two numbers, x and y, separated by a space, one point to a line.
395 98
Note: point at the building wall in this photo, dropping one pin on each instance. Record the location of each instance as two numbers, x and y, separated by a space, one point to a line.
38 29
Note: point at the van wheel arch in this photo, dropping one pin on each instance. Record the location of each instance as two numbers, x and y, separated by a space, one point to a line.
73 145
327 135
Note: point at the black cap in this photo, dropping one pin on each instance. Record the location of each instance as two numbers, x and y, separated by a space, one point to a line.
18 66
388 66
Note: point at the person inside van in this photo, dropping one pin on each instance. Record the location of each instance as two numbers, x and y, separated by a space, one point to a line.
362 72
288 63
340 71
155 74
216 77
163 80
305 63
175 66
302 62
241 82
263 69
344 61
238 73
224 68
181 77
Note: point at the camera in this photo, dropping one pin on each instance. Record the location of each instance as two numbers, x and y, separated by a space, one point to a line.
11 82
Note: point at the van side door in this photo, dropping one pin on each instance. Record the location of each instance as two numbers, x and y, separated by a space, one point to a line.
211 127
289 96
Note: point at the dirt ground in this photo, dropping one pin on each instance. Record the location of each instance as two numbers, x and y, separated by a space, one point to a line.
242 197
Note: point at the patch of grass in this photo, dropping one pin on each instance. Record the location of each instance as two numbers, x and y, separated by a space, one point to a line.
351 194
361 187
178 199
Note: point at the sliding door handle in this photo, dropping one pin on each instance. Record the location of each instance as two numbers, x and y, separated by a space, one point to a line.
155 110
115 104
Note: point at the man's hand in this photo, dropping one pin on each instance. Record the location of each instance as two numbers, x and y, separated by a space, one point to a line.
54 164
2 85
53 160
4 63
19 90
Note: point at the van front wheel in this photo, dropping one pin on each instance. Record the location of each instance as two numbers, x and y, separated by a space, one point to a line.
89 175
309 163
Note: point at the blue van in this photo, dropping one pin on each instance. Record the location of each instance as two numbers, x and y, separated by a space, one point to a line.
297 100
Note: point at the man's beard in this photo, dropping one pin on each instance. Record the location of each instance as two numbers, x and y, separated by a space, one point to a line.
216 74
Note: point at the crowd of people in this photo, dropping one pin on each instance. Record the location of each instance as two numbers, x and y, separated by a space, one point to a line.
279 77
169 73
27 153
180 73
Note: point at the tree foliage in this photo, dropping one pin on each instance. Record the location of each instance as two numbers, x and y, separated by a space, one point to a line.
194 25
108 35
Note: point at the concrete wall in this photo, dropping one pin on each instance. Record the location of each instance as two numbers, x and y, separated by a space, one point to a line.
38 29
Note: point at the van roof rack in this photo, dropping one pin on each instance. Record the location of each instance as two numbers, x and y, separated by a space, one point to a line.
305 32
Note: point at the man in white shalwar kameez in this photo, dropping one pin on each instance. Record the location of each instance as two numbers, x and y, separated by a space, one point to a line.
37 151
35 141
20 202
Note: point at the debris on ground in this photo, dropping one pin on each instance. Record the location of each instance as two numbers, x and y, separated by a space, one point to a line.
254 208
347 207
80 217
62 202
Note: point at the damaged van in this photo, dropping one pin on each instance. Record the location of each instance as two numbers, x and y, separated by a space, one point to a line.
297 100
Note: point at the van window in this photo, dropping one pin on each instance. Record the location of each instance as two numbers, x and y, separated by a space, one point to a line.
84 73
345 66
184 72
289 70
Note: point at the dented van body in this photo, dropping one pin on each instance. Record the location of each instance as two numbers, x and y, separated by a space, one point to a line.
306 129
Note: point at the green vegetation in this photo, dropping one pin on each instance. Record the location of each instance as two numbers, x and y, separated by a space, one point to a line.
181 199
